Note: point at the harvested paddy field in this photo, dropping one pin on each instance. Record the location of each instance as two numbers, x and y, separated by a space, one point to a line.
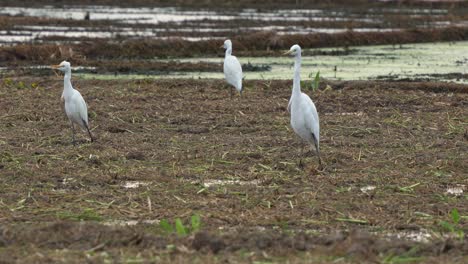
182 173
395 168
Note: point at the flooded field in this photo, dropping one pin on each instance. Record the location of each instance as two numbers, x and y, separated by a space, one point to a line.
182 173
446 62
74 23
417 62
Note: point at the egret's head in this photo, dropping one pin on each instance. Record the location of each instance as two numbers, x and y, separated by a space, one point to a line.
63 66
294 50
227 44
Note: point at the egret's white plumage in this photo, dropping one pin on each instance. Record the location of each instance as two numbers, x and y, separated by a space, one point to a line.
304 116
75 106
232 67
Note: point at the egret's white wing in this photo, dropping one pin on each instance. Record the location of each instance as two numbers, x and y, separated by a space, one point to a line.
83 108
312 122
233 72
77 110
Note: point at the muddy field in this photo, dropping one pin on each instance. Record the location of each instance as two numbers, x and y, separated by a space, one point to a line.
247 3
182 173
395 167
145 29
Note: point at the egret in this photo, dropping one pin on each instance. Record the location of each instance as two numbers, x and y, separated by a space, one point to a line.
304 116
232 68
75 106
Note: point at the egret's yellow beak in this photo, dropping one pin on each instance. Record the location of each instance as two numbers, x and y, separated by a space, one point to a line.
222 46
287 52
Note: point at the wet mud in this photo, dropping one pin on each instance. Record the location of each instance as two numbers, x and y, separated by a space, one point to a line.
255 44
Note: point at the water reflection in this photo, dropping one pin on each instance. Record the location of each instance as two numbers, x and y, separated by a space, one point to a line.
201 24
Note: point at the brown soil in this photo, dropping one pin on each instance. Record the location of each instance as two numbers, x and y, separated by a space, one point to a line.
92 237
409 140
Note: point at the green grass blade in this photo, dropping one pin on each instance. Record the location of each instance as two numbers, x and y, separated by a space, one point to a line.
180 228
447 226
196 223
317 81
352 220
455 216
164 224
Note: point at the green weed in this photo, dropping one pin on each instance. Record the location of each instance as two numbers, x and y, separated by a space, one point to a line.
401 259
453 226
87 214
8 82
179 228
315 81
408 189
407 257
352 220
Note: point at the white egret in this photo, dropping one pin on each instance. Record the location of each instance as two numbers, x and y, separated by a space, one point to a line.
75 106
232 68
304 116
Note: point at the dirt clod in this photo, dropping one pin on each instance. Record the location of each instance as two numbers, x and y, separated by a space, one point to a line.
135 155
203 240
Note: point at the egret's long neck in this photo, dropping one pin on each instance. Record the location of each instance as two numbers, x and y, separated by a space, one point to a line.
228 51
67 86
297 76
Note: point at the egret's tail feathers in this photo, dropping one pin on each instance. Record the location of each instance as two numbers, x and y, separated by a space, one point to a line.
239 85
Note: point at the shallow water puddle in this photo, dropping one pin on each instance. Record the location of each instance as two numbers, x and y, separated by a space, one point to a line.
367 189
423 236
24 34
347 114
172 14
456 191
130 222
134 184
155 15
188 21
427 61
212 182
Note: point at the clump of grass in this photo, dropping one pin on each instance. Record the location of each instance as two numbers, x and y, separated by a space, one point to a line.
408 189
10 83
315 81
87 214
179 228
401 259
353 220
453 226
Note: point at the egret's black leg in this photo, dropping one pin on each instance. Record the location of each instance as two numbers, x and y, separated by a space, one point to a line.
73 133
318 151
301 155
89 132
